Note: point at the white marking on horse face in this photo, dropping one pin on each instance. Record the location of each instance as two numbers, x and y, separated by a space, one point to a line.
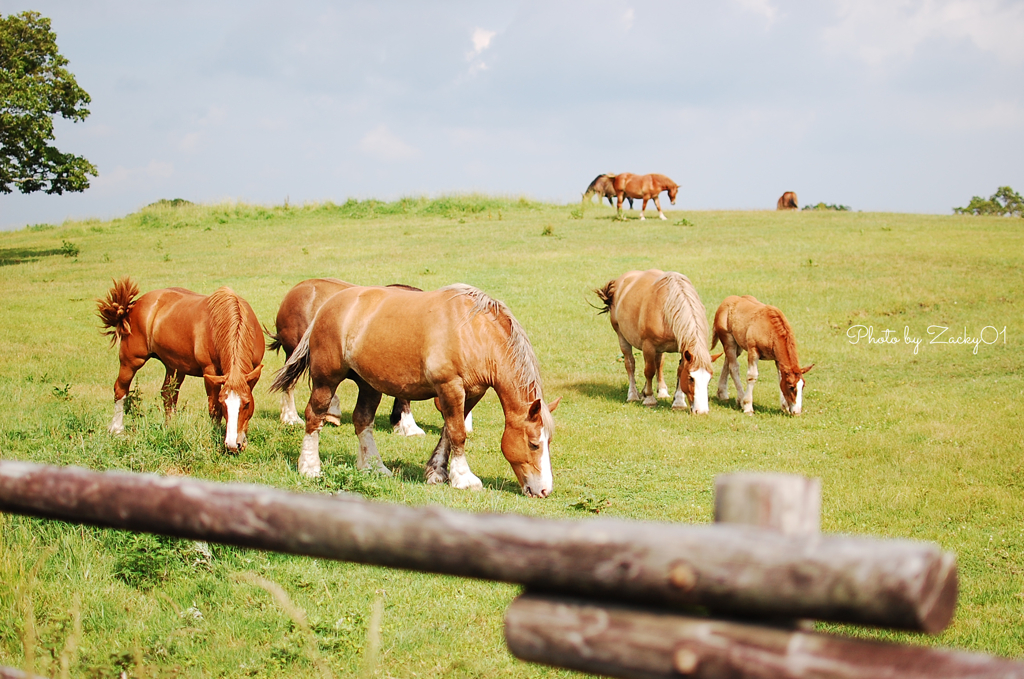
798 406
233 402
543 486
701 377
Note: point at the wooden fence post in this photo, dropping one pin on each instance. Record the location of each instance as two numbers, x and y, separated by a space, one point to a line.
787 503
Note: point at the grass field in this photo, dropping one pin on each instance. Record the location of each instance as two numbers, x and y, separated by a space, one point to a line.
919 441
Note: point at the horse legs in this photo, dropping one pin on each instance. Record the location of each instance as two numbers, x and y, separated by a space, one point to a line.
657 204
368 459
454 407
333 415
169 390
748 395
402 421
679 401
129 366
316 410
662 387
652 360
289 415
627 356
642 208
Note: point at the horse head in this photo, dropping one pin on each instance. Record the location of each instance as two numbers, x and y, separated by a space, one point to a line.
693 382
235 404
526 444
791 384
673 191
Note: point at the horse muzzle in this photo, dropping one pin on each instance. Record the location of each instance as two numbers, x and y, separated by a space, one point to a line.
535 490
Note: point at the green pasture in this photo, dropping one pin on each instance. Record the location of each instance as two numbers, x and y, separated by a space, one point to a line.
921 443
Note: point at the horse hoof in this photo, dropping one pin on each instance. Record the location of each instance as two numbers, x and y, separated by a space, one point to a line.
467 482
309 471
291 420
332 419
650 401
402 430
435 476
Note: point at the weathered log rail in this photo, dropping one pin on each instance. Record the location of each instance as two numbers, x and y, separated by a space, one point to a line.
610 566
728 569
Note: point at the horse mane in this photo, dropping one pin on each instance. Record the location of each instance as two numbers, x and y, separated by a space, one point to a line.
685 314
228 322
518 347
783 334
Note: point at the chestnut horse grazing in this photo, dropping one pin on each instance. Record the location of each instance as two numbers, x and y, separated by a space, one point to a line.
659 312
451 344
603 187
647 186
296 312
217 338
744 324
786 202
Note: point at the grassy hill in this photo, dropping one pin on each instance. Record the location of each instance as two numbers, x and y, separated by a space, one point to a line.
910 440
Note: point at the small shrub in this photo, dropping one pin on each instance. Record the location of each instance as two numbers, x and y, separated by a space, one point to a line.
40 227
683 222
548 231
69 249
62 393
1005 202
576 213
173 202
589 503
144 560
827 206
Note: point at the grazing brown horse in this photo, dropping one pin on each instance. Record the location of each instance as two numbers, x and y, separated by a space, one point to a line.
603 187
296 312
217 338
451 344
647 186
745 324
658 313
787 201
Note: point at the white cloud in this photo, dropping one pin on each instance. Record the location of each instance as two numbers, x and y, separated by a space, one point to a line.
134 178
878 30
762 7
381 143
627 18
481 41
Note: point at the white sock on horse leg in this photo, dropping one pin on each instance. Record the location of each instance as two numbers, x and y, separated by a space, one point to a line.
117 424
309 456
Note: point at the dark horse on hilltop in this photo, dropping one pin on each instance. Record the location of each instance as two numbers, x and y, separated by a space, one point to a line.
216 337
603 187
647 186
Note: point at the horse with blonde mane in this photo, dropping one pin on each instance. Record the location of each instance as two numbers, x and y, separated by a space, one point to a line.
296 312
660 312
745 324
216 337
452 345
647 186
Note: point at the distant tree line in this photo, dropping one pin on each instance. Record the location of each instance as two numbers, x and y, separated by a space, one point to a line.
1005 202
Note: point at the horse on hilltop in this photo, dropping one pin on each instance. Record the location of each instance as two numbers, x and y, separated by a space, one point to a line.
296 312
647 186
452 345
216 337
745 324
603 187
787 201
660 312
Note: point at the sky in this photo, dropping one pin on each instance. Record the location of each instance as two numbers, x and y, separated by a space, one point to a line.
882 105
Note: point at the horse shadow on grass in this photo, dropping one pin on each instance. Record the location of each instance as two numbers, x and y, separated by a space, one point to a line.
599 390
10 256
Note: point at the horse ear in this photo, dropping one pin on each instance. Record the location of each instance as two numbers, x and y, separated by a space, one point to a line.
688 356
715 357
252 377
804 371
554 404
215 380
534 411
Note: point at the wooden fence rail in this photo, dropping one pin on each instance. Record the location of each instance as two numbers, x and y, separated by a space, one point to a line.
727 569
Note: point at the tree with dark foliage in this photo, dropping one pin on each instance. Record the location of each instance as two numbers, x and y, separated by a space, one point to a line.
1005 202
35 86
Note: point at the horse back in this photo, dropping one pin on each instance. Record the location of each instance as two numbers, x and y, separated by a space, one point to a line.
298 308
638 309
754 324
172 324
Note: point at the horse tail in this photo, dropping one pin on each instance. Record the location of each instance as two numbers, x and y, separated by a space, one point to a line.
607 296
115 308
275 343
296 366
686 315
